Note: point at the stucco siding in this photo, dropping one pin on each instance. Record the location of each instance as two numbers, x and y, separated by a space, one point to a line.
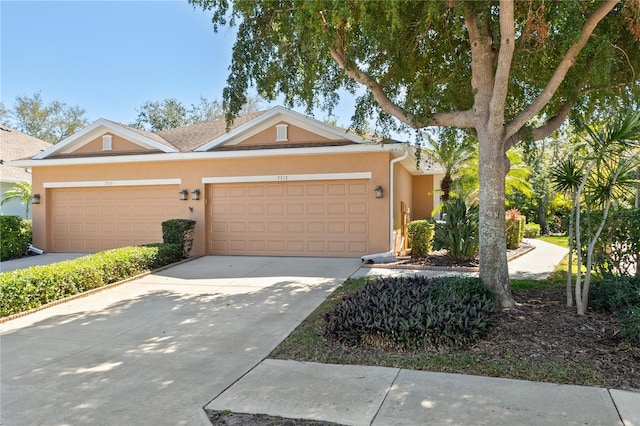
191 173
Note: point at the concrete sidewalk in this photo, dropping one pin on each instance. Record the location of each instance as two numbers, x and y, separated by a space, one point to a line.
158 349
359 395
42 259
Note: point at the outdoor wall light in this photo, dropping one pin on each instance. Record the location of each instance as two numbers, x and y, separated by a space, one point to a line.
378 191
184 194
35 199
195 194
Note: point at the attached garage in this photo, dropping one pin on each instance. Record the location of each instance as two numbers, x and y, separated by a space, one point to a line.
301 218
95 219
273 183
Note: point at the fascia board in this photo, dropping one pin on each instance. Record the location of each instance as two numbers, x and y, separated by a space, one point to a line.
90 132
395 150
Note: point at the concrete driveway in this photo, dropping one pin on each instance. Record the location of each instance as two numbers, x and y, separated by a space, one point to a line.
158 349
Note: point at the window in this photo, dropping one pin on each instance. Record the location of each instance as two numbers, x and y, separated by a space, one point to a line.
281 132
106 143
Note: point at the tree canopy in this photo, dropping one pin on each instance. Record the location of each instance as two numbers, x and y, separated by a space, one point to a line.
491 66
170 113
51 122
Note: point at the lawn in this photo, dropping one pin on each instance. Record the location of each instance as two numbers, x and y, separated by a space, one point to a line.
559 240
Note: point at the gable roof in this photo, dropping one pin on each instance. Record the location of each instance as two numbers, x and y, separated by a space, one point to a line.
269 118
189 138
140 137
15 145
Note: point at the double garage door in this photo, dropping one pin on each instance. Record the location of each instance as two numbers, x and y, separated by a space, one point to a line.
303 218
316 218
87 220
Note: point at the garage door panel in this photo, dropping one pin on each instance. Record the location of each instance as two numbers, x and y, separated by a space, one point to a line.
95 219
319 218
357 189
357 208
336 189
314 190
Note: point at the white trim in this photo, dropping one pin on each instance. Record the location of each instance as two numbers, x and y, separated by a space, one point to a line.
95 130
99 183
288 178
395 149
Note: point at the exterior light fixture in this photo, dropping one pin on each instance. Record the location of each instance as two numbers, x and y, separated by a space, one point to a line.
35 199
184 194
195 194
378 191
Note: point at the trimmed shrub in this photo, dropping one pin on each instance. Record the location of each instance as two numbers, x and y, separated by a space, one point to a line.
15 236
179 231
532 230
630 325
29 288
421 237
514 227
622 297
413 313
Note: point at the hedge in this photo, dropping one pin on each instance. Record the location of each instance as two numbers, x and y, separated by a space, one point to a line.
15 236
532 230
30 288
421 237
514 227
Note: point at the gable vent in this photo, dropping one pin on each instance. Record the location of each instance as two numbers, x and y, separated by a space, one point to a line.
281 132
106 143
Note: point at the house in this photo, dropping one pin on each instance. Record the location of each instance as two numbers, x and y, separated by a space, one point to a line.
15 145
276 183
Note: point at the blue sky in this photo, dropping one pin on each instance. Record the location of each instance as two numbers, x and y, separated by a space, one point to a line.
109 57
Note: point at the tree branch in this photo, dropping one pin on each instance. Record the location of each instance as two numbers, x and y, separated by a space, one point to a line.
561 71
505 58
544 130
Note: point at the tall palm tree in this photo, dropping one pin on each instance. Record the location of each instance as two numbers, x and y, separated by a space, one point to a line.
452 150
566 177
20 191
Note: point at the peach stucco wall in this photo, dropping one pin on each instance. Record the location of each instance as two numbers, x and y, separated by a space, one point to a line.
191 173
118 145
422 197
294 133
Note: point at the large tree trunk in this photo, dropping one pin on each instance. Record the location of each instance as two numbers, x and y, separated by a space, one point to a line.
494 271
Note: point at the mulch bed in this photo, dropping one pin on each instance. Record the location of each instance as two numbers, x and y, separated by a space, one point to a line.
440 260
543 331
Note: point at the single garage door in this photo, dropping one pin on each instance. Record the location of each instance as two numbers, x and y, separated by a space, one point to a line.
88 220
318 218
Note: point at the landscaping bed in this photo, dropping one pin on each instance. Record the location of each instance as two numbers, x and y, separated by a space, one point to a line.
540 340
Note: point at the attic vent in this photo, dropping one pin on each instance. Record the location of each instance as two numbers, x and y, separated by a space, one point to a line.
281 132
106 143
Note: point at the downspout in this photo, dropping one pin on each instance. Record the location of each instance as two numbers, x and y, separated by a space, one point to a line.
387 256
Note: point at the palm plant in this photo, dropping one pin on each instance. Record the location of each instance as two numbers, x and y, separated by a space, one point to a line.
611 159
20 191
468 183
452 150
566 177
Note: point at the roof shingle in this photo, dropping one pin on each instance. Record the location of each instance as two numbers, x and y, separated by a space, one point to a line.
15 145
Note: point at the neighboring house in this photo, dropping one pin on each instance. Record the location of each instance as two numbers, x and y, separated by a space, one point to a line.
277 183
15 145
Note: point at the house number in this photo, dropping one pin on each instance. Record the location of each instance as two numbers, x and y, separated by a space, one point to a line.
282 178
